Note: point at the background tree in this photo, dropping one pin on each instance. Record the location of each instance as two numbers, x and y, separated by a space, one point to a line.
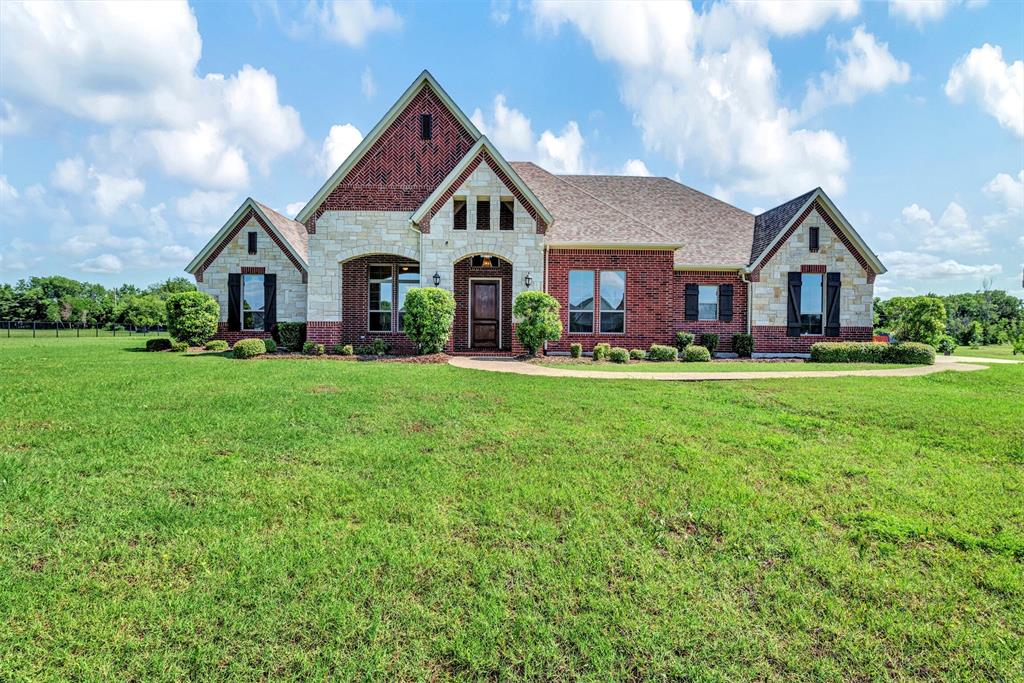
922 320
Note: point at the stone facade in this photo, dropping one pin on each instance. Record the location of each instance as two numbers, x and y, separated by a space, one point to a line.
291 290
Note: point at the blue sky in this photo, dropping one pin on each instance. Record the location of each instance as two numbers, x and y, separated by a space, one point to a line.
130 132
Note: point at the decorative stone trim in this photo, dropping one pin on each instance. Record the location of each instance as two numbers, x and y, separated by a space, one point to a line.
813 269
245 218
254 270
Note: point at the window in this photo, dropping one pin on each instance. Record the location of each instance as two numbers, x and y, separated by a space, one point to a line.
613 301
483 213
381 296
707 302
426 126
459 213
811 303
408 277
581 301
252 302
813 238
252 242
506 219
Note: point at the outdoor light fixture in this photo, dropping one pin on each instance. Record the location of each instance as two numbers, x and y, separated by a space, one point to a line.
437 278
528 280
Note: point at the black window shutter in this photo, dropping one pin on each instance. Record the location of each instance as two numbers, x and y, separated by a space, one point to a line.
691 302
793 319
832 299
269 302
725 302
234 301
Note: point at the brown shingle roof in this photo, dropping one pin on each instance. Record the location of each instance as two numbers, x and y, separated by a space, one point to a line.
770 223
291 230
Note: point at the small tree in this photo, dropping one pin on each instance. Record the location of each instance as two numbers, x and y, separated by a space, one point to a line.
429 314
924 320
192 317
538 318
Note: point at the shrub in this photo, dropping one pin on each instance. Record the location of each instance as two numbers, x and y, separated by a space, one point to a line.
576 350
290 335
618 355
683 339
1018 345
661 353
870 352
601 351
192 317
947 345
709 340
313 349
637 354
539 322
158 344
923 320
911 353
249 348
743 345
342 349
179 346
270 344
429 314
217 345
975 335
697 354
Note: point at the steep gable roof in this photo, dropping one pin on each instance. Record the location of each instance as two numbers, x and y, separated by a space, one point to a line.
769 224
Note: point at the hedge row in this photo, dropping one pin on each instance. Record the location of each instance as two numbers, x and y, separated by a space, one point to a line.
907 353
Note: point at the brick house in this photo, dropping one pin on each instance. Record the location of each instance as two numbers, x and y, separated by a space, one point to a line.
427 200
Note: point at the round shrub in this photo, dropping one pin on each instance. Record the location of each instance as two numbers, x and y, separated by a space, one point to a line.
291 335
618 355
1018 345
429 314
696 354
217 345
661 353
601 351
539 321
947 345
683 339
158 344
249 348
709 340
743 345
179 346
576 350
270 344
342 349
192 317
637 354
313 349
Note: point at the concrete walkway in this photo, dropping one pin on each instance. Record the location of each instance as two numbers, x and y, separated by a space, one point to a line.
510 365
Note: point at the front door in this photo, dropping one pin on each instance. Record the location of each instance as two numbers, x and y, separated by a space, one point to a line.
484 306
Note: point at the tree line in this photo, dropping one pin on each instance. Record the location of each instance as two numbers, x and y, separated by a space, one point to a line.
58 299
984 317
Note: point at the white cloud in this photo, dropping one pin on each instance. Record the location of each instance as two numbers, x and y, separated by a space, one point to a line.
112 191
863 66
918 266
501 11
338 144
104 263
635 167
953 233
983 75
352 21
703 87
562 153
369 88
293 209
8 193
201 156
1009 191
11 120
203 211
919 11
512 133
69 175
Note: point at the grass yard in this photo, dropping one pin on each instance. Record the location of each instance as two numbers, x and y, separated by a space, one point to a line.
713 366
992 351
166 517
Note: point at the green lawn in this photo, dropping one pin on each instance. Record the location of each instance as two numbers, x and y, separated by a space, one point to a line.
172 517
993 351
714 366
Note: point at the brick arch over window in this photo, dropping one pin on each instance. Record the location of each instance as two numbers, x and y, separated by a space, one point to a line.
355 301
463 273
482 252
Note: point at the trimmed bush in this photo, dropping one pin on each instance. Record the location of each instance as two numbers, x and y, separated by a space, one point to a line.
743 345
618 355
179 346
947 345
576 350
313 349
696 354
539 321
192 317
270 344
683 339
378 347
291 336
601 351
709 340
249 348
158 344
637 354
662 353
911 353
342 349
429 314
871 352
217 345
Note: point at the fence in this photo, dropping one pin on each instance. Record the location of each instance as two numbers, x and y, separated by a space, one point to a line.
36 328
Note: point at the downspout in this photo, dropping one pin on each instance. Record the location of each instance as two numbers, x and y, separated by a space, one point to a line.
545 288
750 301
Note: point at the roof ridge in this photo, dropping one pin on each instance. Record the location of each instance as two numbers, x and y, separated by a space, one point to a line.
610 206
709 196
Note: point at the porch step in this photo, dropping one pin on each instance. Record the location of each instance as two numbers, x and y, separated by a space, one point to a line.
485 353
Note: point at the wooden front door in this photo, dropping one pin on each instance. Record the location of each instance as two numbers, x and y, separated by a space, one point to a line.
484 307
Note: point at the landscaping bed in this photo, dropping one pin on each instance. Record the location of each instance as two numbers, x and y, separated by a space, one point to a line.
717 365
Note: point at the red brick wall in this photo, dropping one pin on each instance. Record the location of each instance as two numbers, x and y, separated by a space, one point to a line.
355 305
650 309
399 171
460 331
773 339
723 329
233 336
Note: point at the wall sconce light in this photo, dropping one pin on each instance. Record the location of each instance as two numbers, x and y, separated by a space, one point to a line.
437 278
528 280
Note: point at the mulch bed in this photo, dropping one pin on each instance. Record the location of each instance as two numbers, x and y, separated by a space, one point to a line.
433 358
567 360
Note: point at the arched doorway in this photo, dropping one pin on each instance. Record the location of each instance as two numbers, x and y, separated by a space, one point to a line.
483 298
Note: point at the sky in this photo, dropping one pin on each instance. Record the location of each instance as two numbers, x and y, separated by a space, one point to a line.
130 132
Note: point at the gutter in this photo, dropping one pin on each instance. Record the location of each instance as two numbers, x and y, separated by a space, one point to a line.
750 300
